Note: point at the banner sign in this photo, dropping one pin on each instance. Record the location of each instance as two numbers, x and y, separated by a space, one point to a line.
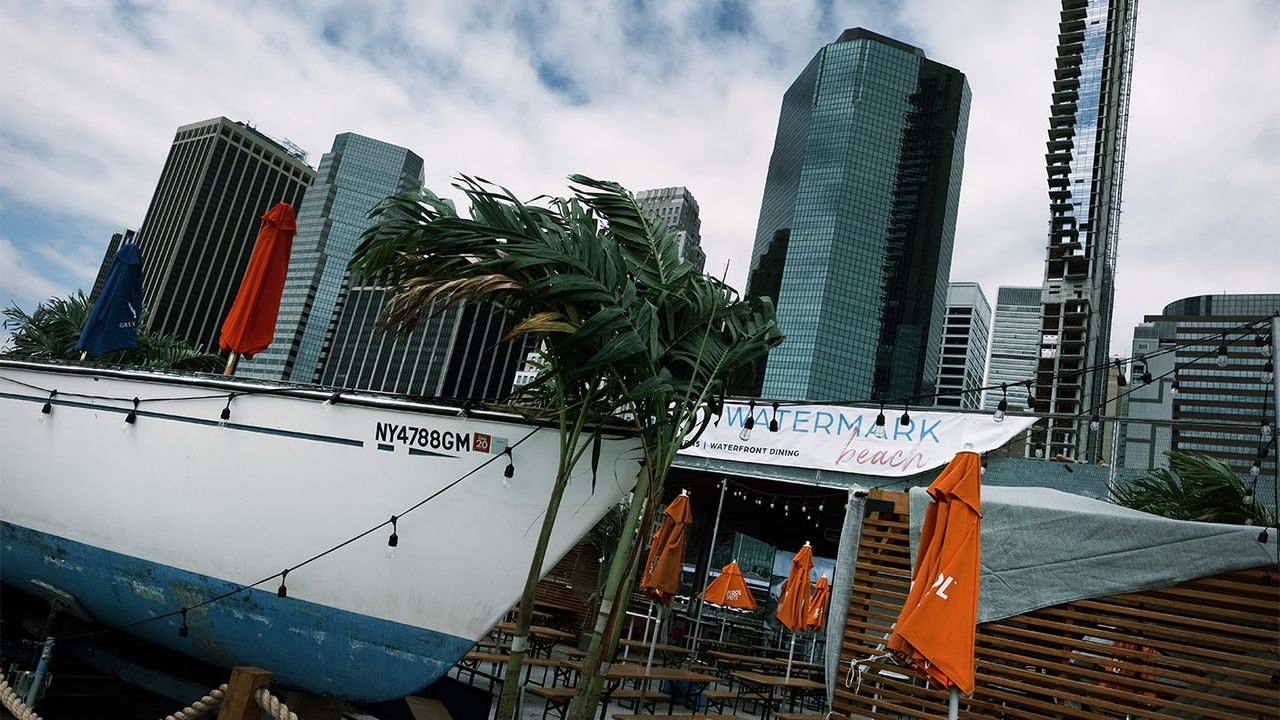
844 439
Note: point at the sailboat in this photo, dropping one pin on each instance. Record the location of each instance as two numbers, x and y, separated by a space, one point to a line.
168 505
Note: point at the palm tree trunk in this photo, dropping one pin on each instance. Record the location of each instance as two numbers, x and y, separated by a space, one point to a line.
569 454
608 624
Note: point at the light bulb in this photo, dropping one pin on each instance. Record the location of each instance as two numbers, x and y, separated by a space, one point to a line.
1267 431
745 435
1173 388
1095 422
391 552
771 505
1267 373
1001 407
1222 356
819 507
1255 468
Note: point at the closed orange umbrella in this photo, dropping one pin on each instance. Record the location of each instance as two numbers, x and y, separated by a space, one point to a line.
817 616
793 606
252 320
661 579
730 589
935 631
794 603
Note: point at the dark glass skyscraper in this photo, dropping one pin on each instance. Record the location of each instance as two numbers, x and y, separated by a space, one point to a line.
858 219
220 178
354 177
1085 166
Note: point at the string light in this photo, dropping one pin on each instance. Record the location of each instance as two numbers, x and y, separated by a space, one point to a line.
1173 386
773 423
1146 371
465 411
1267 431
131 418
1268 373
47 409
330 401
749 423
1120 379
880 431
1095 422
283 591
394 541
182 629
510 470
1222 355
1003 405
226 411
905 420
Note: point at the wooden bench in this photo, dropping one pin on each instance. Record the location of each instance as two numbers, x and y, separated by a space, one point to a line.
682 717
557 699
717 699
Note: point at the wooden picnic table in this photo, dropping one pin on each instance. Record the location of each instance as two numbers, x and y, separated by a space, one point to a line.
766 685
542 638
622 672
669 655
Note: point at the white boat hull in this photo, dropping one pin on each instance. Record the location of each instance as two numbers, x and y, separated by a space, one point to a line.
181 508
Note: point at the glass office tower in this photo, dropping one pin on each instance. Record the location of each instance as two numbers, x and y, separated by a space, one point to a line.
857 221
218 181
1084 161
354 177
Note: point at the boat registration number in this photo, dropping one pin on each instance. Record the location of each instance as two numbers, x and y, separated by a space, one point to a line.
432 438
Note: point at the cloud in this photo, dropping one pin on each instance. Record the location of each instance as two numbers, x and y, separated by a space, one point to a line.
650 94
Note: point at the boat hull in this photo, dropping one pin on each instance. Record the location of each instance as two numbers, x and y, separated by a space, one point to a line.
140 521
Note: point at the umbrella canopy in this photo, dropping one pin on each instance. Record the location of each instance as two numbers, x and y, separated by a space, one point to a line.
793 606
252 320
817 616
661 578
113 321
935 631
730 589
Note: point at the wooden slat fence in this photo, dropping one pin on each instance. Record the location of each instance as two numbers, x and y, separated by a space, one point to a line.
1207 648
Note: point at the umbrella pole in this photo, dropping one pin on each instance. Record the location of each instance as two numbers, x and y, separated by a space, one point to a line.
953 704
791 652
711 549
232 360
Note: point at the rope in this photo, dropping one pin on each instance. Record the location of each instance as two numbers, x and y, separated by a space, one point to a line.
14 704
201 706
272 705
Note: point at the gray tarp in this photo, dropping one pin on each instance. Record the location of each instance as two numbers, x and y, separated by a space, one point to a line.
1043 547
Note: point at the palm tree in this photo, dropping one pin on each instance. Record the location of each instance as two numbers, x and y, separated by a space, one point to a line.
1195 487
52 330
629 335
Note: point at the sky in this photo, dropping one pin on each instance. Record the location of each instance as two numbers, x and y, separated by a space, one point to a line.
647 93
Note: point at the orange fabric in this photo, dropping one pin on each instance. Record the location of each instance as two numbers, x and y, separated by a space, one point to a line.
661 579
730 589
793 606
252 320
935 631
817 616
1117 667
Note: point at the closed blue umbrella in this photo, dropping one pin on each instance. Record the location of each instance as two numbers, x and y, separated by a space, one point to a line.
113 321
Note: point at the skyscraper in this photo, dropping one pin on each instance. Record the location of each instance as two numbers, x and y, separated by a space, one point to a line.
356 175
117 239
1220 403
1015 344
1085 166
454 353
857 221
218 181
679 210
964 346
